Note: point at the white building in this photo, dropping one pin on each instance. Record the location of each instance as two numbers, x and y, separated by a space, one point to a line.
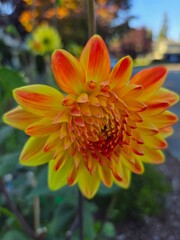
166 50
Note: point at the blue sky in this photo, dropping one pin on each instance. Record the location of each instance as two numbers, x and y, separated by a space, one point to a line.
150 14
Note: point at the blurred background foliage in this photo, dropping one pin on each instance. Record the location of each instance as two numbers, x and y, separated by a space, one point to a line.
55 213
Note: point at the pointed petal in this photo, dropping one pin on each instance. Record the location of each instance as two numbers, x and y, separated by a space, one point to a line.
152 156
155 108
52 141
68 72
165 95
135 166
33 153
135 106
147 128
41 128
39 99
105 175
95 60
166 132
58 178
19 118
155 142
88 183
122 175
151 79
72 176
165 119
121 73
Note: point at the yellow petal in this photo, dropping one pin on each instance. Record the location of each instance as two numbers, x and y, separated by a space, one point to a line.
122 175
155 142
88 183
135 166
165 119
165 95
39 99
33 153
166 132
152 156
41 128
105 175
19 118
58 178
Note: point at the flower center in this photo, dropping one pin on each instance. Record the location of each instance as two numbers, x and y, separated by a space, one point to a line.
46 41
109 137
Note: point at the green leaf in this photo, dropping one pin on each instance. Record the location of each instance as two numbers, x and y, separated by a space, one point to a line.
10 79
7 212
109 230
14 234
8 163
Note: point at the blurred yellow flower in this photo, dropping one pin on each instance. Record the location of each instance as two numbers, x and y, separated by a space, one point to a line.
44 40
106 126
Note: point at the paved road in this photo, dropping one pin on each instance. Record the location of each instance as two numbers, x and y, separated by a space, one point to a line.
173 83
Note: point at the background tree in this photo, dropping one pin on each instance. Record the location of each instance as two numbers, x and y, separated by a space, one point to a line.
164 29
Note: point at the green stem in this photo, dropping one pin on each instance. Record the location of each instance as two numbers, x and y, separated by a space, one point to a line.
20 218
91 18
80 204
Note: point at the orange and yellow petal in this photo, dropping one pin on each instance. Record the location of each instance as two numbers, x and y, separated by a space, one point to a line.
135 166
33 153
166 132
121 174
155 142
42 128
165 119
58 177
150 79
68 72
105 175
88 183
121 73
95 60
156 108
39 99
165 95
152 156
19 118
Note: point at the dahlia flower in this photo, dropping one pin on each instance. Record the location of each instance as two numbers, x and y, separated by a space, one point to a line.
45 39
104 128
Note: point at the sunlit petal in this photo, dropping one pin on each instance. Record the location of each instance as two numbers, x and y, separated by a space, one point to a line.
19 118
68 72
151 80
33 153
88 183
58 178
95 60
39 99
121 73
